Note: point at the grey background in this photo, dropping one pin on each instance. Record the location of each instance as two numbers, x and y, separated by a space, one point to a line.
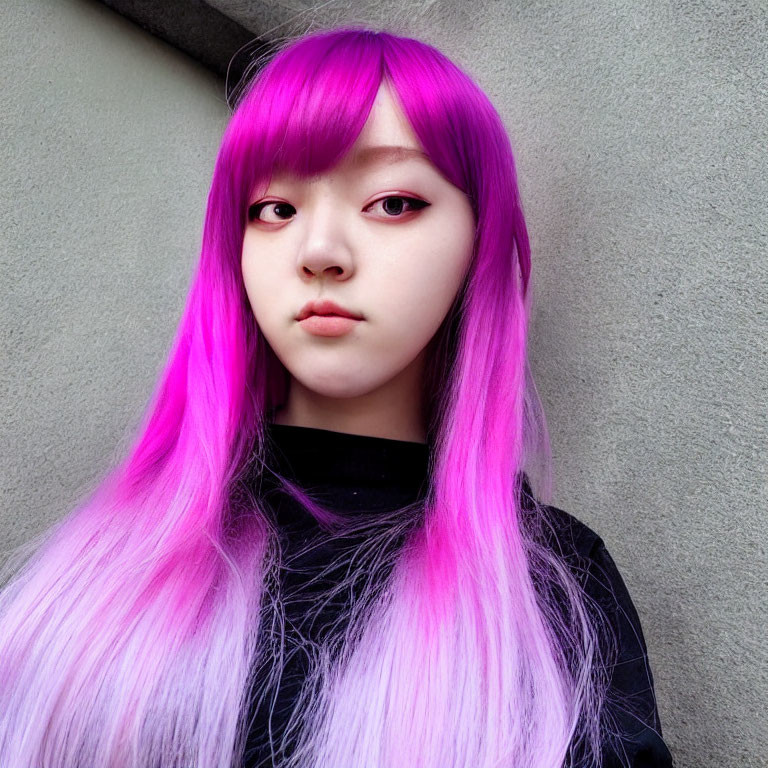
640 134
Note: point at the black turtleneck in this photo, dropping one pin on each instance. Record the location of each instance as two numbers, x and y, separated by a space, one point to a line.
348 473
351 471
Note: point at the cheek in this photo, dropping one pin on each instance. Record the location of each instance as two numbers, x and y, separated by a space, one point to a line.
248 268
413 301
261 279
426 280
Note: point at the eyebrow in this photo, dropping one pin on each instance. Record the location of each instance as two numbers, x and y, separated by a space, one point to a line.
386 154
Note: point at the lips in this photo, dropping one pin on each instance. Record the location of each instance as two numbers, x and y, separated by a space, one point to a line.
325 308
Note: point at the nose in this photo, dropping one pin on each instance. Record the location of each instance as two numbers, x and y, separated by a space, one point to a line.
325 250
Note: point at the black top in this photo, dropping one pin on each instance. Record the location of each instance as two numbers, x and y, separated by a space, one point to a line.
352 472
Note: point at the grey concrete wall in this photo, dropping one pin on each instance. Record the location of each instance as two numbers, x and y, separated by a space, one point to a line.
640 132
107 143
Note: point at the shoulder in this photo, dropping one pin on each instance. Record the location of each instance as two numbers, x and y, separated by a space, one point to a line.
631 700
571 538
587 555
565 533
589 560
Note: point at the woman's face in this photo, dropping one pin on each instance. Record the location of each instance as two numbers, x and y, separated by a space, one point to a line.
382 235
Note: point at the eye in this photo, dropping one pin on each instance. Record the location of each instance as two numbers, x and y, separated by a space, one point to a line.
393 205
254 211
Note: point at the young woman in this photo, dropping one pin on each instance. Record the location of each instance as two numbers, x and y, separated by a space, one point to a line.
323 549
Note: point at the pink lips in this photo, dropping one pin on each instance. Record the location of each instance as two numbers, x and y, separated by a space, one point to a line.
325 318
328 325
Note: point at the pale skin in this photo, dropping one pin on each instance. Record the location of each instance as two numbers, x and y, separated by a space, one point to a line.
397 263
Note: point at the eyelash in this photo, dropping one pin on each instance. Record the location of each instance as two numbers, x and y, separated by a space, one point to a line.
416 204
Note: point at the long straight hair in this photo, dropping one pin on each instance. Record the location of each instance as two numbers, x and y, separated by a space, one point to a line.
130 631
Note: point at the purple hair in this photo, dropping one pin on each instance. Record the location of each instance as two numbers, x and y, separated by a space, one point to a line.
130 635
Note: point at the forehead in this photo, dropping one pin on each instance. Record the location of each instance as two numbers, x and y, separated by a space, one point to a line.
386 123
386 137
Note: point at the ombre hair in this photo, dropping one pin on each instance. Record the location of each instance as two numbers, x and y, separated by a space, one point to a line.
131 631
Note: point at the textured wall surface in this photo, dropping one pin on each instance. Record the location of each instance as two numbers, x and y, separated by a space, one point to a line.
107 143
640 133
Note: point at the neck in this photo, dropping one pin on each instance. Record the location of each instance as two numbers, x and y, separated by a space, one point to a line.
392 411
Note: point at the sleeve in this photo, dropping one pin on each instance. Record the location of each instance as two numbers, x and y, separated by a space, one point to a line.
633 728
